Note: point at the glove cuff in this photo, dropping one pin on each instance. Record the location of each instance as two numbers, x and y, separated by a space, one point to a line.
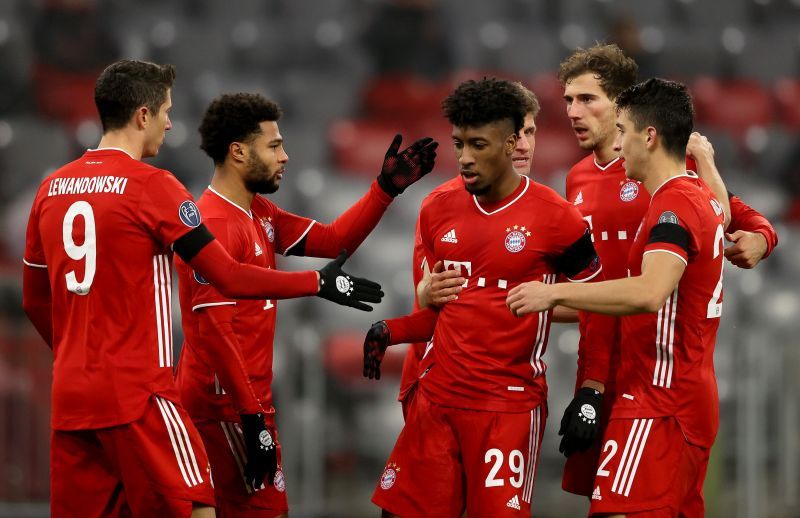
387 186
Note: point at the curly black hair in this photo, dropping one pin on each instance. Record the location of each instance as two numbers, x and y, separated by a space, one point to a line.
234 118
477 103
665 105
128 84
615 70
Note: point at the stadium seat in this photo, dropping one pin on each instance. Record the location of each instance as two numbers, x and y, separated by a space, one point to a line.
733 105
787 95
343 358
556 152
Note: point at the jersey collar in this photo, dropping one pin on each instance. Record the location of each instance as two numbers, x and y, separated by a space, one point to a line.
110 149
684 175
518 196
604 167
249 213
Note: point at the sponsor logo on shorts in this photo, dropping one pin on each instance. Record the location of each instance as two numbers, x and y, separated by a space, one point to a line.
629 191
513 503
279 481
389 476
596 494
189 214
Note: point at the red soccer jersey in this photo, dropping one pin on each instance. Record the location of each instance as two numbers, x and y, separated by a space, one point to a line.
250 237
667 358
484 357
102 226
416 352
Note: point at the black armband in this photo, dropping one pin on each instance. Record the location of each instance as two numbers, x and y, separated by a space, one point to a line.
670 233
189 245
577 257
298 249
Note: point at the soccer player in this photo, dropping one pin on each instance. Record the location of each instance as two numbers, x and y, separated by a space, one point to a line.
666 417
614 206
472 435
225 371
441 286
97 287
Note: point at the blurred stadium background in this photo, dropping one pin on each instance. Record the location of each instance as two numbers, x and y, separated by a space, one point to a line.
349 74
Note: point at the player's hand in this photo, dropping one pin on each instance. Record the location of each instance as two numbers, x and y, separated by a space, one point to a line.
401 169
262 452
342 288
581 421
699 147
747 250
530 297
444 285
375 344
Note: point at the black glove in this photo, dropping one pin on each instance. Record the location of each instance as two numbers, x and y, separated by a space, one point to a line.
262 453
375 344
342 288
581 421
400 170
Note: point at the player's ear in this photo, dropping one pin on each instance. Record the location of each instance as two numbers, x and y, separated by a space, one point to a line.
141 116
651 134
237 151
511 144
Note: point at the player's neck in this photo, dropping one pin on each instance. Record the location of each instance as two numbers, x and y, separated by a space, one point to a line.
502 188
660 171
231 186
605 154
122 140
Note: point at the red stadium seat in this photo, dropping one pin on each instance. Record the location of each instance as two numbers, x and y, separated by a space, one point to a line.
550 93
556 152
732 105
787 95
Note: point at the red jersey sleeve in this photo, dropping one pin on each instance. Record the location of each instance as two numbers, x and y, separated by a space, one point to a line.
226 233
34 250
744 217
671 225
287 229
577 260
167 208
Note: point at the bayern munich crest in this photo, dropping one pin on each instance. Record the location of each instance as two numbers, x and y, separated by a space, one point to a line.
516 238
629 191
389 476
270 231
279 482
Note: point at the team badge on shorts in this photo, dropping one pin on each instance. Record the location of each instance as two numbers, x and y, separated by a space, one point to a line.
629 191
389 476
268 229
189 214
515 238
279 482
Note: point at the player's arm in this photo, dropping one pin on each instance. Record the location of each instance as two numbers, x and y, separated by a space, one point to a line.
565 315
702 152
416 327
753 237
236 280
348 231
37 300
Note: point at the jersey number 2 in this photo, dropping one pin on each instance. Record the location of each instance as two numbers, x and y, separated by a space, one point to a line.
714 305
87 250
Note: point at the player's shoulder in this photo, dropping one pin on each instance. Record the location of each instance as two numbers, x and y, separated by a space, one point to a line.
262 206
539 193
583 166
449 190
685 192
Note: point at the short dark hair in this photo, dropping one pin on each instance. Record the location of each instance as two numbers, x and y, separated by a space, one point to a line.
234 118
531 102
477 103
665 105
128 84
615 70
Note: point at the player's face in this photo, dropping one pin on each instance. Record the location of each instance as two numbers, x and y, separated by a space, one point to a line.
484 155
631 146
590 111
523 152
157 127
267 159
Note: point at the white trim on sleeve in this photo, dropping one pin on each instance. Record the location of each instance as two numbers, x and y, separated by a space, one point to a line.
666 251
313 221
209 304
33 265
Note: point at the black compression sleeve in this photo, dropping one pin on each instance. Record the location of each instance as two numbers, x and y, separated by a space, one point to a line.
670 233
577 257
188 245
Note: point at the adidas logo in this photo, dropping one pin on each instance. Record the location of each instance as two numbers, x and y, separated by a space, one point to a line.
513 503
450 237
596 494
258 250
578 199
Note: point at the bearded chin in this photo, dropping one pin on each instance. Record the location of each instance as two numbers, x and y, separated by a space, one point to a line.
477 190
261 186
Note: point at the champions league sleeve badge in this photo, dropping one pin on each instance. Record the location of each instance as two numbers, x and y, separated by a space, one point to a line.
189 214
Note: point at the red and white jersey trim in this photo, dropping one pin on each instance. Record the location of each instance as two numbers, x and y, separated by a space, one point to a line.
507 205
162 287
208 304
539 366
666 251
665 337
631 455
181 444
33 265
